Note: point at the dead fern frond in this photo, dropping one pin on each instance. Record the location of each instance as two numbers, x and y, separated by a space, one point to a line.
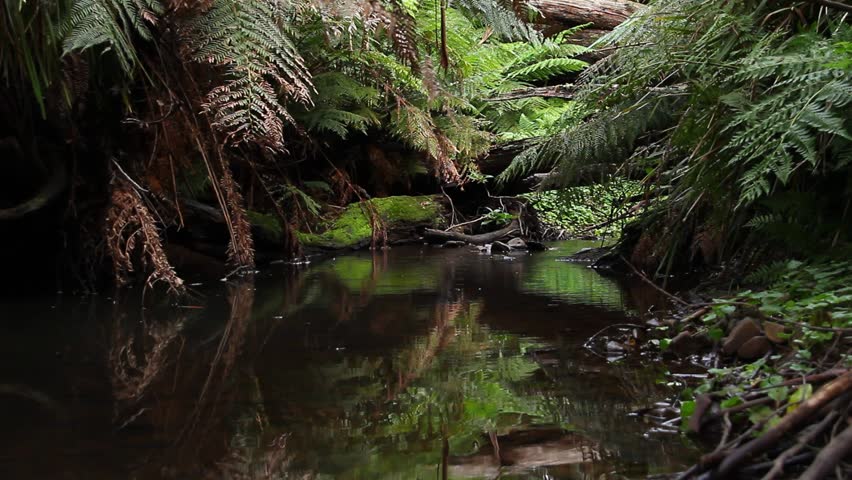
131 233
241 247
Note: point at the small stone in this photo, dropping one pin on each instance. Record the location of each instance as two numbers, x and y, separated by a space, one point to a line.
500 247
518 243
653 322
454 244
740 334
754 348
536 246
773 332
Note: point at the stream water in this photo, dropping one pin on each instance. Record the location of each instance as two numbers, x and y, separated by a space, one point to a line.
415 363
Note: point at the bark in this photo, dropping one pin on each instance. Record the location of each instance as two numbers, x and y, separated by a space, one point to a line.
440 236
603 14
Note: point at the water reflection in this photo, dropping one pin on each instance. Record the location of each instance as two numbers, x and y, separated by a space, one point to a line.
412 363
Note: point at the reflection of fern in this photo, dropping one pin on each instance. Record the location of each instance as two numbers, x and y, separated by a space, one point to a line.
111 22
250 39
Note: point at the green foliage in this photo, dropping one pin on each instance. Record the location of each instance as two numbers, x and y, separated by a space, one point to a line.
575 210
251 40
497 217
111 24
734 105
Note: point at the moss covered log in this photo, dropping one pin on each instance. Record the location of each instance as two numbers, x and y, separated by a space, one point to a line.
401 216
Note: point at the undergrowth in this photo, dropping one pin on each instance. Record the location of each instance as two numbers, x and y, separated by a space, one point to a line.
599 210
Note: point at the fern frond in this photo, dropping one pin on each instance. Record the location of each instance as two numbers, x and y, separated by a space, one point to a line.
263 68
112 23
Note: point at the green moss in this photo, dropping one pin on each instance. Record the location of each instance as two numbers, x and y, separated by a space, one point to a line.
352 228
266 226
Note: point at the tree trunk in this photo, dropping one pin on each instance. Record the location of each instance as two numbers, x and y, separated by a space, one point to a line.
603 14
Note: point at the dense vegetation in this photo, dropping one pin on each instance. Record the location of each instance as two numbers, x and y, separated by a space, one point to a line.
711 134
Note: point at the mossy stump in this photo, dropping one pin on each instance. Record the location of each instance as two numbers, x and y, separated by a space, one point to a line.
402 216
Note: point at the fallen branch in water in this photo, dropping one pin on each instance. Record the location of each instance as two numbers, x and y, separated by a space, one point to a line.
440 236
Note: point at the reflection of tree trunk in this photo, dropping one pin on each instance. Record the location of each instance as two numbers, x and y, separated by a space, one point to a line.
228 352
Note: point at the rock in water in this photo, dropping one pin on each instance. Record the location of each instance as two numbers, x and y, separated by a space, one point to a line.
500 247
453 244
518 243
740 334
535 246
754 348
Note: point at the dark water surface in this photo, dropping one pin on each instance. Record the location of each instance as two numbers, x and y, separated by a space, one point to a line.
415 363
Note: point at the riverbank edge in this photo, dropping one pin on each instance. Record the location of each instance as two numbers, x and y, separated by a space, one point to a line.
777 397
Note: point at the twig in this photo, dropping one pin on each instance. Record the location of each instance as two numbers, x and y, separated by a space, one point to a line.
465 223
789 422
452 208
834 4
831 455
616 325
778 465
650 282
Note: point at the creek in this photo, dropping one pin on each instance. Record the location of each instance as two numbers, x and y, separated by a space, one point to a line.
412 363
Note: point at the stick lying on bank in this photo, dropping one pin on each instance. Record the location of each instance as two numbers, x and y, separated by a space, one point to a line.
440 236
790 422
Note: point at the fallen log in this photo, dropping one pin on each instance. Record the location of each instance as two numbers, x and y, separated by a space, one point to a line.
441 236
603 14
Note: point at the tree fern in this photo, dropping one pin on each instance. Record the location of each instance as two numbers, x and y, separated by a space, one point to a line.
548 68
263 68
775 134
110 23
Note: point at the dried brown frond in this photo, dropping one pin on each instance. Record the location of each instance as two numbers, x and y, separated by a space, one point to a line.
444 164
137 360
379 237
132 235
241 247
